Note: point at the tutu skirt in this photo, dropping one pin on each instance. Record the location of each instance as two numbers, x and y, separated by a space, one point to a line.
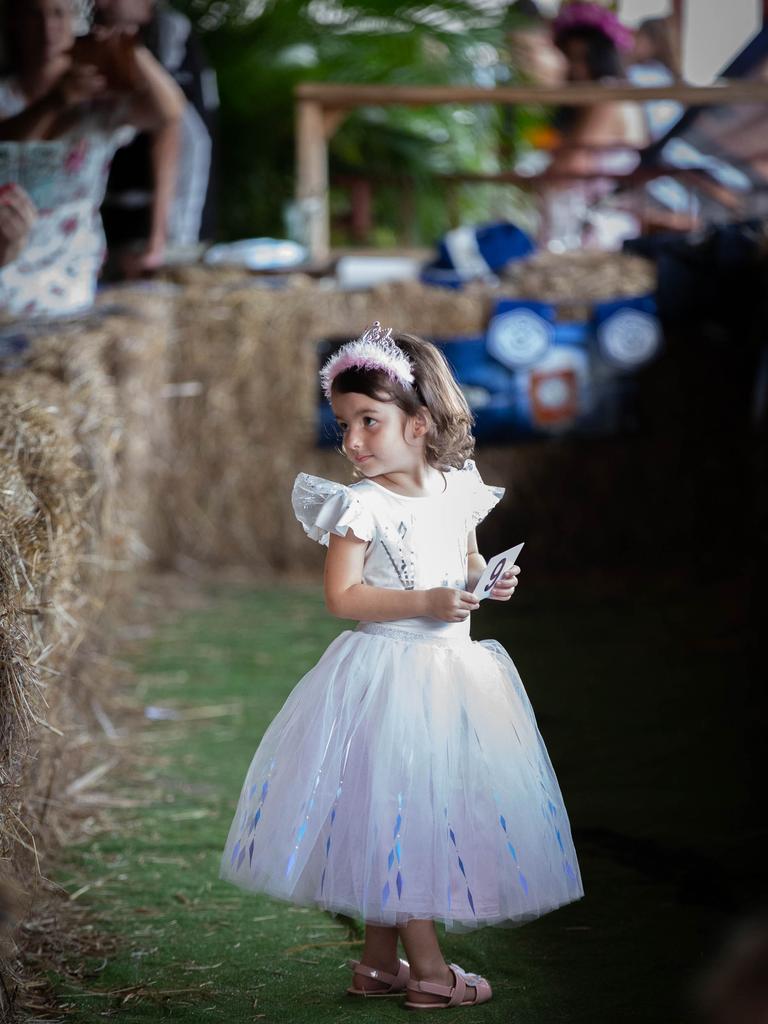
405 777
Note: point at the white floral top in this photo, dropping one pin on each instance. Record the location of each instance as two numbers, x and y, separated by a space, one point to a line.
56 272
415 543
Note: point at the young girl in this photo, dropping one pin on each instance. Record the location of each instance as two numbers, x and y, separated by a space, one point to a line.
405 781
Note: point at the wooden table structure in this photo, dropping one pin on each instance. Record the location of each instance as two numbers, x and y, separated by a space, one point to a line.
320 108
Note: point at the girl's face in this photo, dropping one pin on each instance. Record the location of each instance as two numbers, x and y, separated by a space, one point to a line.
378 437
43 30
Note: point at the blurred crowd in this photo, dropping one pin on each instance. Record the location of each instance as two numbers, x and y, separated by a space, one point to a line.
586 145
108 132
106 148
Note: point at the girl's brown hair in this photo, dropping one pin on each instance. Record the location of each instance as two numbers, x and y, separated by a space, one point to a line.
449 439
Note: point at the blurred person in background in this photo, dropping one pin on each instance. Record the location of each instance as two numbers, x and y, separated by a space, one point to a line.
599 139
668 203
530 58
66 106
591 38
653 61
139 167
532 52
656 47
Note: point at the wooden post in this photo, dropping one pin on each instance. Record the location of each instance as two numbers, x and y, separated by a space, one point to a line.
408 220
312 178
361 198
335 98
678 23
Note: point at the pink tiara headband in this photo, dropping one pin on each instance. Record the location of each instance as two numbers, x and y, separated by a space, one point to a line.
592 15
373 350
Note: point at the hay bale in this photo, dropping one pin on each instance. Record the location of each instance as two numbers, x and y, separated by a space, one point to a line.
139 335
198 275
115 364
42 523
574 281
83 438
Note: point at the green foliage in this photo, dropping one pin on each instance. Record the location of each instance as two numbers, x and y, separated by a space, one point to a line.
262 49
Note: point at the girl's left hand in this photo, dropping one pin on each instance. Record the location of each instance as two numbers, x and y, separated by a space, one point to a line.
506 584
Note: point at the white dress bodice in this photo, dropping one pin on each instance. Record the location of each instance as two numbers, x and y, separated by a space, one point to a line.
413 543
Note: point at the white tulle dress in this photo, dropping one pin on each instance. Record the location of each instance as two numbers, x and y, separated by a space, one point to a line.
405 776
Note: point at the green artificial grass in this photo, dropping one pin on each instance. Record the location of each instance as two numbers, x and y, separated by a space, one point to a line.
632 695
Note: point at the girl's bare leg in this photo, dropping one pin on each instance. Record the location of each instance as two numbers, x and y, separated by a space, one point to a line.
379 952
426 959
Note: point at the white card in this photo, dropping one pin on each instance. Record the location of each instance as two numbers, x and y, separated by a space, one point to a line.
496 566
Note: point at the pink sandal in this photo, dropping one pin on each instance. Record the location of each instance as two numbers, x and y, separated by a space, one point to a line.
454 994
397 982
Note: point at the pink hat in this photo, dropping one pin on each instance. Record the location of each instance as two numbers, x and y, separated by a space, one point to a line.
592 15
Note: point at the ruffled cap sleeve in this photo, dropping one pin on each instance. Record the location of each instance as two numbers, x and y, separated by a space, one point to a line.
481 498
324 507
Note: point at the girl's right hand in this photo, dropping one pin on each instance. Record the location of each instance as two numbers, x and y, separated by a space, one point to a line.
449 604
